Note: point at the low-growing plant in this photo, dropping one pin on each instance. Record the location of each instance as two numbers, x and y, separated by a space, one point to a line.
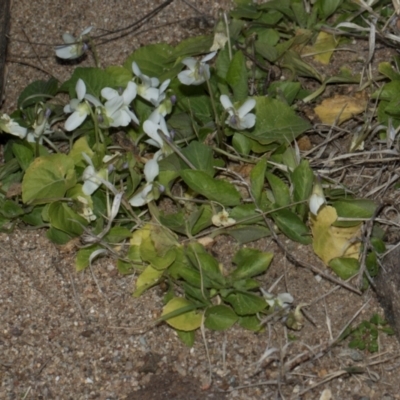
166 127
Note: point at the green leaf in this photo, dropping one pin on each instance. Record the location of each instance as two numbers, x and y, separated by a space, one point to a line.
203 219
276 122
327 7
148 278
120 75
250 262
95 80
292 226
57 236
154 60
279 189
217 190
303 181
344 267
180 314
252 323
219 318
241 144
200 155
34 217
237 77
193 46
117 234
83 257
79 147
38 91
198 106
246 303
148 253
287 90
354 208
24 154
257 178
48 178
247 233
186 337
62 217
9 209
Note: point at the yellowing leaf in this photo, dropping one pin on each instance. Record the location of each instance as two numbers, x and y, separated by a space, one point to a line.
340 107
187 321
331 241
324 46
139 235
148 278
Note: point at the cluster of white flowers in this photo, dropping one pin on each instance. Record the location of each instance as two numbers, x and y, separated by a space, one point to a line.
114 110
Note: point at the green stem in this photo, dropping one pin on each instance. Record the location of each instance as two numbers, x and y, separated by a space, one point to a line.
94 52
220 133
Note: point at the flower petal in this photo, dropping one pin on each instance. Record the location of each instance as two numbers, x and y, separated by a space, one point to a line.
80 89
151 170
186 77
151 130
140 198
190 62
246 107
247 122
74 120
208 57
109 93
226 102
129 93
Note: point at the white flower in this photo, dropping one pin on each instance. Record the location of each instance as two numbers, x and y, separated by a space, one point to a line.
79 108
240 118
317 198
92 179
151 126
73 47
222 219
161 93
117 106
148 88
197 72
282 301
8 125
85 211
151 171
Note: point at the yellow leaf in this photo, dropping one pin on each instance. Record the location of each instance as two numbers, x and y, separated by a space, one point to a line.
188 321
148 278
323 47
332 241
340 107
139 235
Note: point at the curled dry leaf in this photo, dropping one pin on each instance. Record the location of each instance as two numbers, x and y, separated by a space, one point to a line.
330 241
340 108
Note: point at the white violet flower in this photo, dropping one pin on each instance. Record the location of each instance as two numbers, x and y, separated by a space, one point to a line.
151 171
73 47
148 87
240 118
151 126
222 219
92 179
198 71
317 198
117 106
282 301
8 125
79 107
